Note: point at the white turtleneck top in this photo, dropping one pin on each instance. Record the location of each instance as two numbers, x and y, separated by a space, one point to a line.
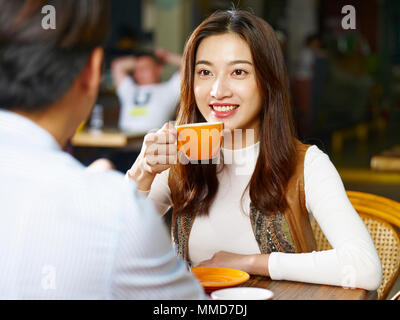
353 261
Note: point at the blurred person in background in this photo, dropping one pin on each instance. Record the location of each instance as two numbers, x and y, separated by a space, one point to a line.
303 82
146 102
67 232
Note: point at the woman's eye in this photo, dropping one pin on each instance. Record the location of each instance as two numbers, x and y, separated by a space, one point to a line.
204 72
239 72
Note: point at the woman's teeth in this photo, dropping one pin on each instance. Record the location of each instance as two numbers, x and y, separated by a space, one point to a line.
224 108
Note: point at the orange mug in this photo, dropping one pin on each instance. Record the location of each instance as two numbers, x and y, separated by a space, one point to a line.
200 141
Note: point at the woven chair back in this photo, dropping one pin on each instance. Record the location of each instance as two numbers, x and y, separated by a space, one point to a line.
382 218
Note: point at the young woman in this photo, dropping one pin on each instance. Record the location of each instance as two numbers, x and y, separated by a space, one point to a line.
257 221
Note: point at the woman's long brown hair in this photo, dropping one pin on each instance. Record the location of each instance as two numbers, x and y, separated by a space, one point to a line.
194 186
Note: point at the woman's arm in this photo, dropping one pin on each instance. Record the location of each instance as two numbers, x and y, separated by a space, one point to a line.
251 263
158 192
150 170
353 261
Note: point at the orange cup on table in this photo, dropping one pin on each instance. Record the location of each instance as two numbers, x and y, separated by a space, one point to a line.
200 141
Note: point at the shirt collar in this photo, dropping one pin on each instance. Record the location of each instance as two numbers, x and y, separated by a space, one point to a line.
247 155
15 126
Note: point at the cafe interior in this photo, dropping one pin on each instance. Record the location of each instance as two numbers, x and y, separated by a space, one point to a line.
346 101
351 112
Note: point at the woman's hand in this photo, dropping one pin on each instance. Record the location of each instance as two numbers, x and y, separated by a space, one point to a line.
158 153
253 263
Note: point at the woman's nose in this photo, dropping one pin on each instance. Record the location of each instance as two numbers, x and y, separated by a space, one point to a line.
220 89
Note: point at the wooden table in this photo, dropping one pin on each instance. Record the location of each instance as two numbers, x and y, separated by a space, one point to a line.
369 176
388 160
108 139
289 290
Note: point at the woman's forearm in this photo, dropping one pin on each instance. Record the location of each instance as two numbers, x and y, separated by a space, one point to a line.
142 177
258 264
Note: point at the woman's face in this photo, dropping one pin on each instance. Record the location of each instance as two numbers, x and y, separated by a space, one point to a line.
225 84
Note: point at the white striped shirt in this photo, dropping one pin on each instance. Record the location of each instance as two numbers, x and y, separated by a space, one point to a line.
67 233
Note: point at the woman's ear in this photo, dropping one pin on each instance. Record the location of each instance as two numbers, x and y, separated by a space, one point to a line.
91 74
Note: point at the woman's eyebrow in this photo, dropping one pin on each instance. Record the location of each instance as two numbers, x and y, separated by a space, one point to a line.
240 62
208 63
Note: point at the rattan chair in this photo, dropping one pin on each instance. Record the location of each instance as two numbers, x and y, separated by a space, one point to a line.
396 296
381 217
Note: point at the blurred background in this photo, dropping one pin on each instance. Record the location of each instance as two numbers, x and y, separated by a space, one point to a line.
345 84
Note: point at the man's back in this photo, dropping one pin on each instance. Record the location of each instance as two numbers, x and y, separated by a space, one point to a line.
68 233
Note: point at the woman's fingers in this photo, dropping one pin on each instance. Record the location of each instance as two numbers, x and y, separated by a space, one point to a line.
154 160
165 137
161 137
157 149
165 149
160 149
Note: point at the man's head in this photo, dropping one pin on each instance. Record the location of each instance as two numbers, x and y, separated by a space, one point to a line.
314 41
147 69
40 67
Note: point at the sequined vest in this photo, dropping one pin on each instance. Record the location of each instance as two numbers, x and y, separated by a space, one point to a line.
289 231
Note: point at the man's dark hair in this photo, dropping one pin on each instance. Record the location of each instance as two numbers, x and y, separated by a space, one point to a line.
149 54
311 37
38 66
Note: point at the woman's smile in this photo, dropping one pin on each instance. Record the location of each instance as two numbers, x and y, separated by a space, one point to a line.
223 110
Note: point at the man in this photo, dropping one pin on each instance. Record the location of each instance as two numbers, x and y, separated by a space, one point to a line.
146 103
303 83
67 232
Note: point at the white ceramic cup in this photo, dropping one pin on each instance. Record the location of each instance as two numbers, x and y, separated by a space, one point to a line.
242 293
